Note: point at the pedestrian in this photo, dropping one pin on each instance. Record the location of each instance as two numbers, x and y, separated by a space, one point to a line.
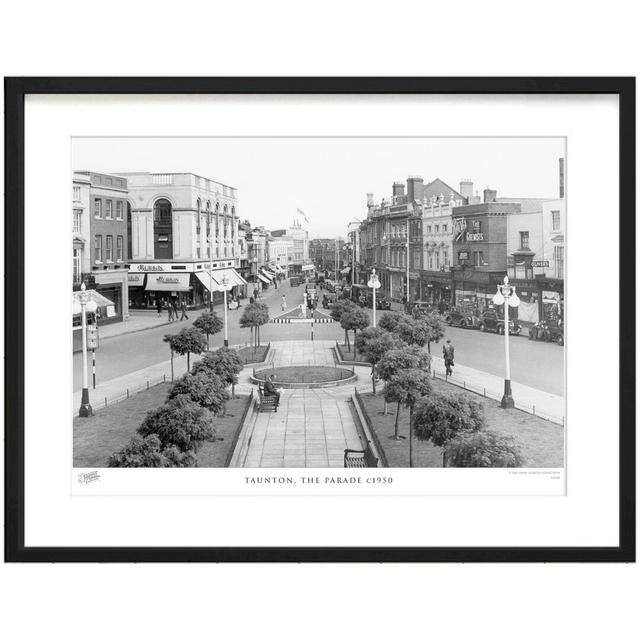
183 308
270 389
284 302
448 353
256 293
252 300
174 307
169 310
159 305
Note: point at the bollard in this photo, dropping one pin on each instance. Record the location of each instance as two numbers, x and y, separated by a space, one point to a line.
127 394
484 391
464 384
105 402
534 409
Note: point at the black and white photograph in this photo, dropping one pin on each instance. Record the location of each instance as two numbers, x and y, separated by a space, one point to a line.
319 302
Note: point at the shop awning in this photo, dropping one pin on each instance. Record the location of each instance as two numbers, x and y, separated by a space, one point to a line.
307 267
266 274
345 271
98 298
217 275
261 277
167 282
278 268
136 279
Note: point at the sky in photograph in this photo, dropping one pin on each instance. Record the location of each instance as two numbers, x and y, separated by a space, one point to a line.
328 178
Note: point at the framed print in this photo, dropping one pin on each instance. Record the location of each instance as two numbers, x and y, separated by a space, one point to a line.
320 319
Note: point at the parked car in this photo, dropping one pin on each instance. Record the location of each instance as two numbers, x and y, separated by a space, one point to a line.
382 302
491 321
549 332
463 319
328 300
422 308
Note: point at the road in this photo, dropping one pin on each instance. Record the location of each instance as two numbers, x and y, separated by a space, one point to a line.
537 364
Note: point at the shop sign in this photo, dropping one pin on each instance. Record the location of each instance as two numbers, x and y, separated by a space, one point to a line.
148 267
169 280
540 263
463 255
475 237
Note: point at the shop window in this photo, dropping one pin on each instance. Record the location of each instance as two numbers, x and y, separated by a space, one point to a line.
97 208
524 239
119 210
108 214
119 248
98 249
109 249
555 220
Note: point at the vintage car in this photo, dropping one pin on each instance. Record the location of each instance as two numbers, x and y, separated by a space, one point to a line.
462 318
382 302
547 331
491 321
422 308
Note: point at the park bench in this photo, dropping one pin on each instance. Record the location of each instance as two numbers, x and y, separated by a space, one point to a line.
359 459
266 403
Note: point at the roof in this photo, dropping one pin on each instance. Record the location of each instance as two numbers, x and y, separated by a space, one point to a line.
527 205
437 186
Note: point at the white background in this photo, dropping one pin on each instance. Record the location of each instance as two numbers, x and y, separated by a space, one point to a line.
483 601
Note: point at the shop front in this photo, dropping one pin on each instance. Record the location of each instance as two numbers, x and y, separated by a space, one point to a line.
113 285
436 287
217 281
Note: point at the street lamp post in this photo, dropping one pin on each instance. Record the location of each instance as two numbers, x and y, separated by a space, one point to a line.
506 294
374 283
225 287
86 304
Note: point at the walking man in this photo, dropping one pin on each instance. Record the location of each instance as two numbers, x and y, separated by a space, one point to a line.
169 310
183 308
159 305
174 305
270 389
448 352
284 302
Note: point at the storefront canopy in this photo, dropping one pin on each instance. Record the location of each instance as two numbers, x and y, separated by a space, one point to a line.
135 279
167 282
266 274
261 277
93 295
345 271
278 268
308 267
217 276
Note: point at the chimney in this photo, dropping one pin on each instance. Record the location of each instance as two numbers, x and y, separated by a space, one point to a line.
415 188
490 195
466 189
561 176
398 189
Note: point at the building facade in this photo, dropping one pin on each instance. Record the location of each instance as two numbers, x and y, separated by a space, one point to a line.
184 238
100 239
280 252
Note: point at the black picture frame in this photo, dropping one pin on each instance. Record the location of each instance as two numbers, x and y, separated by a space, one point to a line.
15 91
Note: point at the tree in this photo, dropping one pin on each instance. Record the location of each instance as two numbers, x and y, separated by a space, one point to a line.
389 320
209 323
441 417
339 308
352 320
373 343
205 388
169 339
224 362
407 387
189 340
435 328
148 452
180 422
253 317
398 359
483 449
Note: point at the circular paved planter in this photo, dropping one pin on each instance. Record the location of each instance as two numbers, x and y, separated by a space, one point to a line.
306 377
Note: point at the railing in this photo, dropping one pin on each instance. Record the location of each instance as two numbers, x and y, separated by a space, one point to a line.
236 435
480 390
102 402
369 454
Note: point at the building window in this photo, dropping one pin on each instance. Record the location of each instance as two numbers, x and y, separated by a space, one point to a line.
555 220
97 208
437 260
197 252
77 269
98 248
77 224
445 257
431 261
436 228
108 214
524 239
119 248
444 228
76 193
109 249
558 255
416 259
119 210
428 228
478 258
